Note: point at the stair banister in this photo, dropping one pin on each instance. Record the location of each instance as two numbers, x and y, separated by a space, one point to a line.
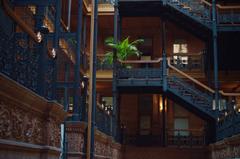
140 61
189 77
20 22
229 94
199 83
221 6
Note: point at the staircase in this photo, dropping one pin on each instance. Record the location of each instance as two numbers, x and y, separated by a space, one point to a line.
191 96
193 9
188 92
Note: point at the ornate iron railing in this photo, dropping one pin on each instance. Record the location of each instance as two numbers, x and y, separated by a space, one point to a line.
229 16
139 69
185 137
101 64
200 10
103 120
194 9
189 62
228 122
142 140
19 60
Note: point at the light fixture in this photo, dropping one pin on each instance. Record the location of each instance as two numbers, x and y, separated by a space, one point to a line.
82 84
39 36
160 103
52 53
226 113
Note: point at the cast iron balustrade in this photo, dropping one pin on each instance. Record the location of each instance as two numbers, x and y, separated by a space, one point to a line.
185 138
139 73
195 9
103 119
101 64
142 140
189 90
101 2
229 16
19 60
200 11
228 122
22 57
188 62
182 89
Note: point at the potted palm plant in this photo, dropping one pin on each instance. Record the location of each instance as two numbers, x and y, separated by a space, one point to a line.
124 49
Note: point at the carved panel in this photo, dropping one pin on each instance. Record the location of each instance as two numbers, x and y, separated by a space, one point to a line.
226 149
54 133
75 141
16 124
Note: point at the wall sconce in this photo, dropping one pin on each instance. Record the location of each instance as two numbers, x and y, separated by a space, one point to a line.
225 113
39 36
82 85
161 103
52 53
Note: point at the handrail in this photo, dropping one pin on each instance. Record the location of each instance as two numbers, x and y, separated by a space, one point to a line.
191 78
199 83
190 130
229 94
141 61
20 22
61 21
187 54
220 6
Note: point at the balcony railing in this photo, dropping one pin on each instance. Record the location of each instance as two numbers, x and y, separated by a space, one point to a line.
189 62
175 137
185 137
229 16
101 64
142 140
103 119
140 69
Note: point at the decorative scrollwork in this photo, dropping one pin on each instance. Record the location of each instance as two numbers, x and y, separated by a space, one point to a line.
16 124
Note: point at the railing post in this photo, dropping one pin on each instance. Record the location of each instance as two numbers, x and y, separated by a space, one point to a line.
41 50
84 56
76 105
215 53
164 56
92 81
164 121
56 45
84 89
115 92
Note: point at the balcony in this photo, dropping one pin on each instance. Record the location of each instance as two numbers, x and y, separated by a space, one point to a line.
174 138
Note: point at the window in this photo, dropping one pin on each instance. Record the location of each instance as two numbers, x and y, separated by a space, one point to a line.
181 127
180 47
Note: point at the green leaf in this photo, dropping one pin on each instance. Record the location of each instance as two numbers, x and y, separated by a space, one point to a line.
124 49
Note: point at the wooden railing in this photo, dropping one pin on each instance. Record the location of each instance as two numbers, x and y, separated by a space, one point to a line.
189 77
20 22
198 82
